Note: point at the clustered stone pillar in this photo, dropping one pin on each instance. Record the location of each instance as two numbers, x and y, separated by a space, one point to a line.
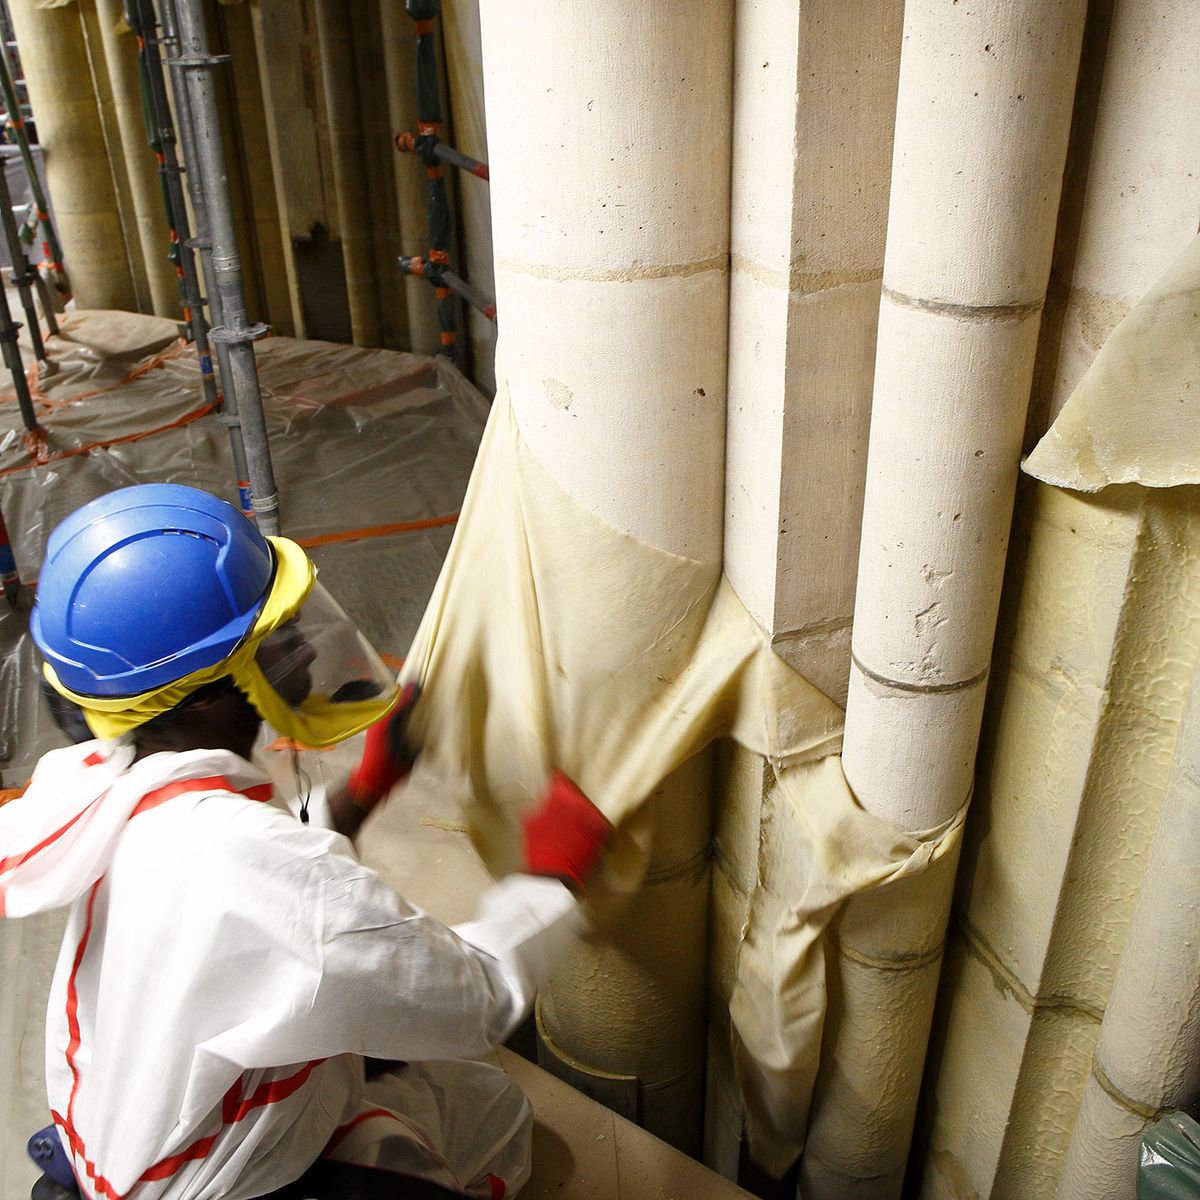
806 248
1148 1056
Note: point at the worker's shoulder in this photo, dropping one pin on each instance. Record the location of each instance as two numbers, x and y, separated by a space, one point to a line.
220 828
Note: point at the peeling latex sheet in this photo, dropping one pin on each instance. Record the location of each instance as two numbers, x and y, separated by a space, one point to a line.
1135 416
554 639
361 440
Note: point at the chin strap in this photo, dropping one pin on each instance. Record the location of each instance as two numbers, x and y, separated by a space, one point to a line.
303 784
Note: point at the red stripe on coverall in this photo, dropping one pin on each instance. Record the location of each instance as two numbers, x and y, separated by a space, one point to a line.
232 1109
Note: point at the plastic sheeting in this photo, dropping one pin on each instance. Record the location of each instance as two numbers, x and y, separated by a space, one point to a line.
372 450
1135 416
1169 1159
554 639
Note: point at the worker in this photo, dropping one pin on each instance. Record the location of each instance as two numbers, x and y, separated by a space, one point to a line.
230 975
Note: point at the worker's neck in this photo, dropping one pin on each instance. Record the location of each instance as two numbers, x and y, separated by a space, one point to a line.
221 719
172 742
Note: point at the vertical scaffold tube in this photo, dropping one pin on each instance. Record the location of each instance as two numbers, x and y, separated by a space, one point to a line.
49 313
400 79
202 242
162 137
9 331
235 330
9 578
608 138
982 121
429 122
23 276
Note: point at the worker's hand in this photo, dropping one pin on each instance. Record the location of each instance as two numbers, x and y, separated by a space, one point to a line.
565 834
387 756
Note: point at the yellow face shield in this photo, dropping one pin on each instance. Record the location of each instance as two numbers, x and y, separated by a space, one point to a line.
303 665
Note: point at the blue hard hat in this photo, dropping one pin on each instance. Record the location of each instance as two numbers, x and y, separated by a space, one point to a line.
146 585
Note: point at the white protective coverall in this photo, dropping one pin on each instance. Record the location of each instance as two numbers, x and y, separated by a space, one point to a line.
225 967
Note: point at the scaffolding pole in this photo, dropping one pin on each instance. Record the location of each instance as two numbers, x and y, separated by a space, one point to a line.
49 312
160 131
232 333
428 146
51 248
9 330
202 244
9 577
23 275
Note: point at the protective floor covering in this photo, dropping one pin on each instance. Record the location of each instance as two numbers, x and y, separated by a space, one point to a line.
372 450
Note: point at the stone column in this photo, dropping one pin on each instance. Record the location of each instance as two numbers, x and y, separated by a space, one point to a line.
349 169
148 218
55 59
982 121
1097 635
608 129
813 110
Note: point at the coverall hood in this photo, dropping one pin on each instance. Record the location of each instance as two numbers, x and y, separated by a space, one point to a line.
60 836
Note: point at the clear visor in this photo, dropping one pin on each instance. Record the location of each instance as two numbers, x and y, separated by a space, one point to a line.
319 662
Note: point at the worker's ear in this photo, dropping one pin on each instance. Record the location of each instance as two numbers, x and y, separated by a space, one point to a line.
215 696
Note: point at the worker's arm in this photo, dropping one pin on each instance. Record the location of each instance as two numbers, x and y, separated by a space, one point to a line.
562 839
388 980
398 984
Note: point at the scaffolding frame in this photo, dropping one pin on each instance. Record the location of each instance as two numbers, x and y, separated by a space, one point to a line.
428 146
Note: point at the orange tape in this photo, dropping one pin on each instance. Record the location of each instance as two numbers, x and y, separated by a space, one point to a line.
283 743
124 439
374 531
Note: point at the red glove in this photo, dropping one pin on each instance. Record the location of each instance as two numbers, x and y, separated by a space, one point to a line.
387 757
565 834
